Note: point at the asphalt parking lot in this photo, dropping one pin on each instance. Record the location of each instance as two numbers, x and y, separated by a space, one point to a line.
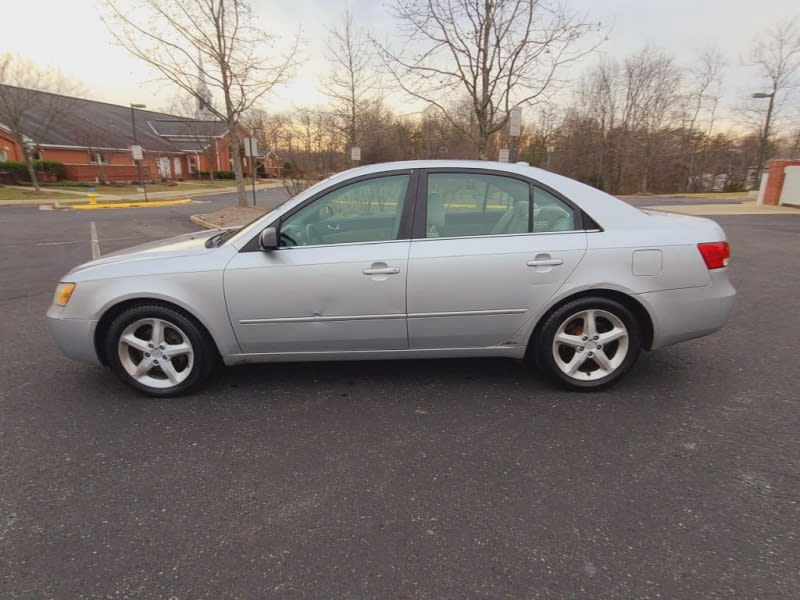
437 479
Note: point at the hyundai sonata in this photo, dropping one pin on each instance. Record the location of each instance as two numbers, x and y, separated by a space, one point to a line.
417 259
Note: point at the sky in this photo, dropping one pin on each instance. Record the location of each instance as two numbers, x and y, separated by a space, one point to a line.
70 35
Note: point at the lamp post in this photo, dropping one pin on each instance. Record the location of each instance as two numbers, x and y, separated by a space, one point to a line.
762 148
135 143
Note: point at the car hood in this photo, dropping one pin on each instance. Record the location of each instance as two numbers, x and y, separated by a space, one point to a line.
190 244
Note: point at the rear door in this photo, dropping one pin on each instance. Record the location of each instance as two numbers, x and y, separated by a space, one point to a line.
489 249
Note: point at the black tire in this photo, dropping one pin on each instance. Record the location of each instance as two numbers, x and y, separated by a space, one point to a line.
567 316
192 371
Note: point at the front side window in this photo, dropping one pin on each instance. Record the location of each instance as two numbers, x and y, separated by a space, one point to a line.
467 204
365 211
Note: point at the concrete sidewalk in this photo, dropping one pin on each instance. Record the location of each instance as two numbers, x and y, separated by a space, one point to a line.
231 216
234 216
743 208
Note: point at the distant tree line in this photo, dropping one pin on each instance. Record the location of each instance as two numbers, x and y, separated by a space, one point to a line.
641 124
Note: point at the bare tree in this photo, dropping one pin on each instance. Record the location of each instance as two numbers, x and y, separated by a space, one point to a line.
501 53
27 113
215 40
776 54
701 103
649 82
352 79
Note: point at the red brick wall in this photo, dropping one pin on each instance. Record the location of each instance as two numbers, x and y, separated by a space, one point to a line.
79 167
11 148
775 177
78 156
90 173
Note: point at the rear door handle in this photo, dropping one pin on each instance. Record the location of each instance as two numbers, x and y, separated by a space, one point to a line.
546 262
381 271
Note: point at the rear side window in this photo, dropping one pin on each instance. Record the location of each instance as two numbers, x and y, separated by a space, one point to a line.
468 204
550 213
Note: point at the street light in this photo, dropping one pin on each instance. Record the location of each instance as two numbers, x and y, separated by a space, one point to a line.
762 149
135 143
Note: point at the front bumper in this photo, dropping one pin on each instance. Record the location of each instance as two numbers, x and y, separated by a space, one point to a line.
689 313
75 337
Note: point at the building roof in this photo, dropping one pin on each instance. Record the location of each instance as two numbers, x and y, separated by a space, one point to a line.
92 124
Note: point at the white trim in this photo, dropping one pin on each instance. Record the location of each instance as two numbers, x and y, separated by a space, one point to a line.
320 319
86 149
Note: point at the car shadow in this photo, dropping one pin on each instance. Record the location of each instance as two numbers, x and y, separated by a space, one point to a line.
656 375
652 371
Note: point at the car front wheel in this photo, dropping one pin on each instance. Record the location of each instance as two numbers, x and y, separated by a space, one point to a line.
589 343
158 350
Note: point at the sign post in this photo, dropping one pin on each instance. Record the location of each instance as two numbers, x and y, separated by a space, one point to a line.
515 128
251 151
355 154
138 155
503 155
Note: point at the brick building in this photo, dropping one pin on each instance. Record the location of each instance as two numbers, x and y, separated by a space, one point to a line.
93 140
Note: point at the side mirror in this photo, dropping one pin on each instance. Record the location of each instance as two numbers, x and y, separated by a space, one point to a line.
268 240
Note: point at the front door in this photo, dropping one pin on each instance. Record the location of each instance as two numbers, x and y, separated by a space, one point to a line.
338 282
163 167
493 250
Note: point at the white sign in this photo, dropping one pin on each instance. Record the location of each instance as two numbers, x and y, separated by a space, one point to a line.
136 152
516 121
355 153
503 155
250 147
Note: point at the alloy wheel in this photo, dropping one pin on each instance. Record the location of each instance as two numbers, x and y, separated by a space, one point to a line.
590 345
156 353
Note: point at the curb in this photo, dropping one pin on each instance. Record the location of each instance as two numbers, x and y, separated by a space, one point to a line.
141 204
725 209
199 220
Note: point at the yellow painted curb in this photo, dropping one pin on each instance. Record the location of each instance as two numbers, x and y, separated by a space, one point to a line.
141 204
199 220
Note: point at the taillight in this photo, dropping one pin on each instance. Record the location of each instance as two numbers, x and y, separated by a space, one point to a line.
716 254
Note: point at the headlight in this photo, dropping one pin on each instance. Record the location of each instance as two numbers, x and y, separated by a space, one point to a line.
63 293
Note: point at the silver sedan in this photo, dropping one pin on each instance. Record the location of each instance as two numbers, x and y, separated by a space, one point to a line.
418 259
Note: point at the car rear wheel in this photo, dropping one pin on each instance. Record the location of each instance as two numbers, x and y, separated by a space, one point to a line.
589 343
158 350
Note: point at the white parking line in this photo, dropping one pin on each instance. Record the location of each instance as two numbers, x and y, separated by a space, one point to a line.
95 241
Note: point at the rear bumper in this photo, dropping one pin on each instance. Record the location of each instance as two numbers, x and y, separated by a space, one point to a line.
685 314
75 337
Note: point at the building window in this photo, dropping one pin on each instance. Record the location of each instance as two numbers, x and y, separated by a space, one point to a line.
99 159
36 155
3 156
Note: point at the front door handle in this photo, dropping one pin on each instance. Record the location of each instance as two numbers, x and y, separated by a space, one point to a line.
545 262
381 271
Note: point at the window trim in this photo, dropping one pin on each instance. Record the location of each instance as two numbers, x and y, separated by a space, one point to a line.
403 233
419 226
